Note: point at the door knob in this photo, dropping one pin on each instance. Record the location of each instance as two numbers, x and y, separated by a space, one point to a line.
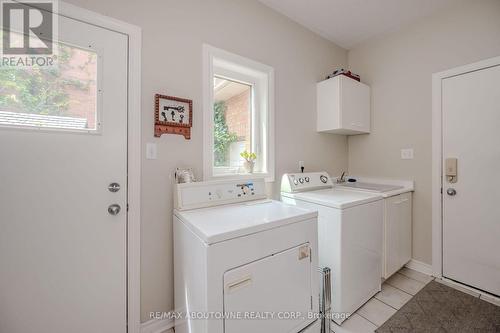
114 209
451 191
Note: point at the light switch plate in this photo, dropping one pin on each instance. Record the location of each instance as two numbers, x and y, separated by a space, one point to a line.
407 154
151 151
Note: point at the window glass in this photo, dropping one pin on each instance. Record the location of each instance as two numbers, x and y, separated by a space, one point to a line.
232 123
238 98
63 96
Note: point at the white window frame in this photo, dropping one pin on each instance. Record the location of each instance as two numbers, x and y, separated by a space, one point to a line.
217 62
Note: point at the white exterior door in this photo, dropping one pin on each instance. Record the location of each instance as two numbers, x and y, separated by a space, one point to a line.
62 255
471 209
279 285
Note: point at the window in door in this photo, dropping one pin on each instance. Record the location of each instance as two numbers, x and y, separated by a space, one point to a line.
238 111
63 97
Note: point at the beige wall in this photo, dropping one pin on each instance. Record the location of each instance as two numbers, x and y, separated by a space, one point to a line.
173 33
398 67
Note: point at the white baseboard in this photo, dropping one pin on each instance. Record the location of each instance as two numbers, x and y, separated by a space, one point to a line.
157 325
419 266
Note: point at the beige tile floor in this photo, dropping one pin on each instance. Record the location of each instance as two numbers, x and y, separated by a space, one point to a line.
396 291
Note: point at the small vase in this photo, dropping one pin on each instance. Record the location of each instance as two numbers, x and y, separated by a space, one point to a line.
248 165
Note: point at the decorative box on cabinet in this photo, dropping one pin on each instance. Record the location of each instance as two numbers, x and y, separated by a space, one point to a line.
343 106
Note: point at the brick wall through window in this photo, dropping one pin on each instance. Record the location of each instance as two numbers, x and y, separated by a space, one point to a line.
238 115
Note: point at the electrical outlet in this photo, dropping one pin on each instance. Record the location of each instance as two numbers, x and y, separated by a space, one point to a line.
407 154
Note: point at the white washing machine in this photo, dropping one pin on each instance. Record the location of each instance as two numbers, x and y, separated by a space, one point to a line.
350 225
243 263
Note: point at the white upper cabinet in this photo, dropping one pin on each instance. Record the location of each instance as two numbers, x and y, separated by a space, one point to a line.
343 106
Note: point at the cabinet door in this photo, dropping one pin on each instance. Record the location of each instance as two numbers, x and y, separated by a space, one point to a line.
392 234
405 228
328 105
355 105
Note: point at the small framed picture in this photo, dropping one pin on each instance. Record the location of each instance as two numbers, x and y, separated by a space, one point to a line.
173 115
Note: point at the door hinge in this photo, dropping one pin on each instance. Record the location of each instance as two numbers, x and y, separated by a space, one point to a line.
441 190
127 207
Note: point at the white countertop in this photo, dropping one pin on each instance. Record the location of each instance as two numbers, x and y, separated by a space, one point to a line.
404 186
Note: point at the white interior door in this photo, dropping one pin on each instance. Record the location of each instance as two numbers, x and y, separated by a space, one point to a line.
471 216
62 255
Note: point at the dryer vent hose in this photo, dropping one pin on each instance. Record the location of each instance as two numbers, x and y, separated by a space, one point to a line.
325 299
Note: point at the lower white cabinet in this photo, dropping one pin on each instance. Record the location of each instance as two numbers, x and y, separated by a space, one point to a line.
397 233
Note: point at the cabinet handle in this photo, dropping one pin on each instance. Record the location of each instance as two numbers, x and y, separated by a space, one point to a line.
241 283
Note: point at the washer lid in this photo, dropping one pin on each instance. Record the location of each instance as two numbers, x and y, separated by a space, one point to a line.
217 224
335 198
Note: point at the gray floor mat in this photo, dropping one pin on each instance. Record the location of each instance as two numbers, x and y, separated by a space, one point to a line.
439 308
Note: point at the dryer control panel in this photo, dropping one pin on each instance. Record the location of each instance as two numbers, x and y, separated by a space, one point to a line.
307 181
214 193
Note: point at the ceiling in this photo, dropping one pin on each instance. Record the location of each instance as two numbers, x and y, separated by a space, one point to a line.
350 22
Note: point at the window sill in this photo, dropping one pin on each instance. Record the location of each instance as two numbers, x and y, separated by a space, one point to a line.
243 176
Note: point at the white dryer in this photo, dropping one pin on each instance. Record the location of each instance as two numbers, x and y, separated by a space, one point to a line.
243 263
350 225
